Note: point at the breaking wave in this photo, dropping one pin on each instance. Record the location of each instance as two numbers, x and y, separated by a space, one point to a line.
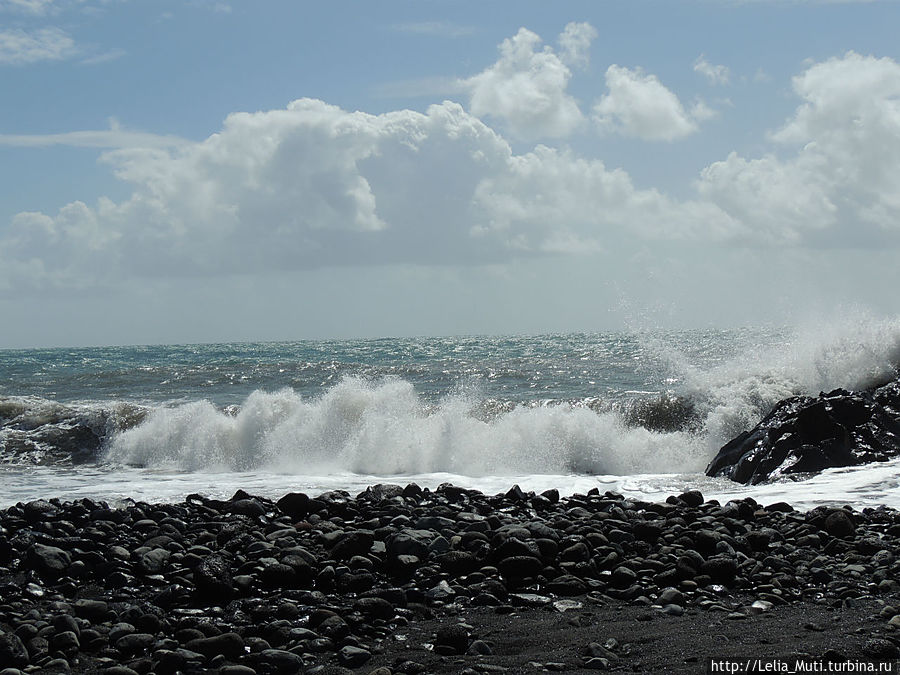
385 426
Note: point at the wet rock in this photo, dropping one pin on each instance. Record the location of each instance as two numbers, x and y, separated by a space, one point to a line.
294 504
803 434
212 578
49 561
250 507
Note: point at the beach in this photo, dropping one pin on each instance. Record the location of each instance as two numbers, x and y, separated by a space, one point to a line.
409 580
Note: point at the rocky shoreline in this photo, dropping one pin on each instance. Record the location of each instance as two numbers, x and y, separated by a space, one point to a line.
407 580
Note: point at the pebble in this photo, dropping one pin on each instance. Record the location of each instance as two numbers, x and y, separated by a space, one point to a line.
250 585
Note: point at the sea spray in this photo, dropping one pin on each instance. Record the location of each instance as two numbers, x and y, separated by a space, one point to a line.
384 427
576 405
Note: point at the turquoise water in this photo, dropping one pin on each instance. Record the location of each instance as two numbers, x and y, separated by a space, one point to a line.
640 411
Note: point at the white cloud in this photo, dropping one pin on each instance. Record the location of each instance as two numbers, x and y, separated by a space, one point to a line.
776 202
302 187
20 47
104 138
586 206
715 74
36 7
640 106
575 42
312 185
526 87
840 185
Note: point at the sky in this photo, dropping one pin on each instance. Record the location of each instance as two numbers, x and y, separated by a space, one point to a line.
217 171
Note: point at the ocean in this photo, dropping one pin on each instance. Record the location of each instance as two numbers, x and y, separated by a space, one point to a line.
640 413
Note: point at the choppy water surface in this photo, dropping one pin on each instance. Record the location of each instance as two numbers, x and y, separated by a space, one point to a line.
638 413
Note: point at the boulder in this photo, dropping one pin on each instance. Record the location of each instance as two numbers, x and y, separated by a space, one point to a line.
804 434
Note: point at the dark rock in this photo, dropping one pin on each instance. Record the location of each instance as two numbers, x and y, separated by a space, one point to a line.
648 531
66 622
552 495
839 524
623 577
229 645
247 507
458 563
692 498
803 434
134 643
279 575
454 637
94 611
280 661
153 561
410 542
49 561
356 542
520 566
294 504
721 569
567 585
12 651
212 578
880 648
376 608
671 596
65 642
353 657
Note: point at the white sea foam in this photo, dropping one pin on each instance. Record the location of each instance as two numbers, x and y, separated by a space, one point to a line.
382 427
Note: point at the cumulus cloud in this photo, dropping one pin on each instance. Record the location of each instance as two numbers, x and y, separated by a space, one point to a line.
301 187
714 74
587 206
20 47
312 185
835 181
526 88
575 42
640 106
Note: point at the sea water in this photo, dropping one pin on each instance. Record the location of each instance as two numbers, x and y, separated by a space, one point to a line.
641 413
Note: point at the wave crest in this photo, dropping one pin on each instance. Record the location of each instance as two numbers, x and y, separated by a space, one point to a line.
385 428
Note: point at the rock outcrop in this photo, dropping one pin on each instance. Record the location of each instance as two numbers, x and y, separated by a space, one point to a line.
805 434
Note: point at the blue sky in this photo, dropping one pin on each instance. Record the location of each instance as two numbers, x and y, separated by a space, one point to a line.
213 171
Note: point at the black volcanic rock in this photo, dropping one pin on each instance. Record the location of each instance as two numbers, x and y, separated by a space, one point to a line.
803 434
